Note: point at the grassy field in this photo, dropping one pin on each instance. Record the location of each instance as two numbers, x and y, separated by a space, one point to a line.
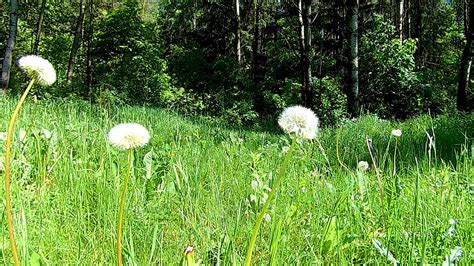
199 183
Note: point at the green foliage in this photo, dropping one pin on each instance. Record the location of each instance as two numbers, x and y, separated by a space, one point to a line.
331 107
214 87
439 76
389 83
128 57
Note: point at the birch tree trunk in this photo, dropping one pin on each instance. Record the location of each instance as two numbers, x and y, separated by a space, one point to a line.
304 11
237 32
353 93
7 61
400 20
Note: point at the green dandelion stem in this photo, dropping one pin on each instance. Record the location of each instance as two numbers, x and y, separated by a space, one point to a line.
123 193
8 153
275 185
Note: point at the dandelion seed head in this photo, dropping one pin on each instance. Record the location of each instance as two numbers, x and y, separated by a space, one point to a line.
129 135
396 133
363 166
300 121
38 68
3 136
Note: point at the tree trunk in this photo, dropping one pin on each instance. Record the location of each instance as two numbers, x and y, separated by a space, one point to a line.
38 27
237 32
466 60
76 43
416 27
255 45
304 11
90 33
353 92
400 20
7 61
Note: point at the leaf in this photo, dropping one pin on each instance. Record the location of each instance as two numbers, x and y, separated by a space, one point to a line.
148 162
35 259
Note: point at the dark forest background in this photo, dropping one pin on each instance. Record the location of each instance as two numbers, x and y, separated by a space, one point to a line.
244 61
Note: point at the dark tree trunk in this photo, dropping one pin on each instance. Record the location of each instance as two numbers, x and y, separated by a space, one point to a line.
353 91
76 43
7 61
466 60
416 27
38 27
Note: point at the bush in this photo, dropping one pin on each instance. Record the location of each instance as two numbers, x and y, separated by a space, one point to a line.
389 83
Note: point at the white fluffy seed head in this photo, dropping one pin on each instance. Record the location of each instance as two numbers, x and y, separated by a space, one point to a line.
300 121
363 166
38 68
396 133
128 136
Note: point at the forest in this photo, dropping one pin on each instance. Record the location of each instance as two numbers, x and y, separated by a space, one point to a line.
244 61
188 132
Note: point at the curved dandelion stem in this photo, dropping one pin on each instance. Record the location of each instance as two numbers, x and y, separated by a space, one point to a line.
275 185
123 193
9 139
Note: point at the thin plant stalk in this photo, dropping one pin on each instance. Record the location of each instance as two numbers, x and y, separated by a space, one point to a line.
379 179
395 158
275 185
8 154
123 193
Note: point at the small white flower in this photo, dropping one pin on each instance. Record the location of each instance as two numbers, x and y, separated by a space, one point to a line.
253 198
46 133
3 136
38 68
254 184
267 217
363 166
264 198
285 149
128 136
396 133
22 135
300 121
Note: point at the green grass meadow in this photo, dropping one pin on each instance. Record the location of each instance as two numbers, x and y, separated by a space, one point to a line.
201 183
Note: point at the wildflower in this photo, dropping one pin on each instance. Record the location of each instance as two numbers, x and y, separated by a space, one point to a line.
38 68
300 121
385 252
396 133
3 136
454 256
22 135
129 135
363 166
46 133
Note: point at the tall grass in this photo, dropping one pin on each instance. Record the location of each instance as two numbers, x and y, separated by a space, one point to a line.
193 184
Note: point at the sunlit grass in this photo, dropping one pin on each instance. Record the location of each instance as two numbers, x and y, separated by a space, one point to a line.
191 186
